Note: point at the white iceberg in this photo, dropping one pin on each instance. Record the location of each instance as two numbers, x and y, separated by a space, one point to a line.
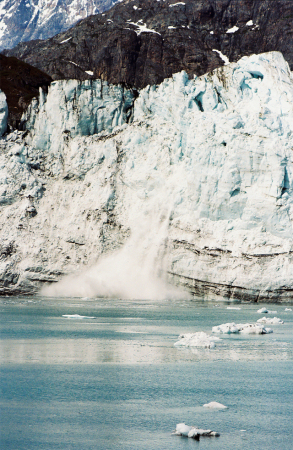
273 321
215 405
234 307
193 432
76 316
288 309
198 339
246 328
266 311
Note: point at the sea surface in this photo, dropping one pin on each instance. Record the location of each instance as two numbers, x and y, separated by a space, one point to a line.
114 380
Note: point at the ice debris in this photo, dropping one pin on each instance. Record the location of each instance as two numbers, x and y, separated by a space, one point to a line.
288 309
234 307
215 405
198 339
266 311
246 328
76 316
273 321
193 432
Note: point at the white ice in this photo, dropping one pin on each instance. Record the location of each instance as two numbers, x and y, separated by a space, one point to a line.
198 339
273 321
191 432
215 405
247 328
76 316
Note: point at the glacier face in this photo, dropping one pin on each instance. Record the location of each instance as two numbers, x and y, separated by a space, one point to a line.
191 178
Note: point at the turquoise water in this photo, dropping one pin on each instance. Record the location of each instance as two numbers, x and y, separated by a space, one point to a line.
116 381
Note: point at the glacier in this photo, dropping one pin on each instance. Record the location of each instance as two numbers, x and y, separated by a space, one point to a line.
188 183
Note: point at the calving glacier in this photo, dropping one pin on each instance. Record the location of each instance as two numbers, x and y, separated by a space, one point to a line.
188 182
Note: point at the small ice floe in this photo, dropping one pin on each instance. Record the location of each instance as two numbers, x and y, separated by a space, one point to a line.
234 307
215 405
199 339
249 23
273 321
76 316
89 72
266 311
288 309
193 432
245 328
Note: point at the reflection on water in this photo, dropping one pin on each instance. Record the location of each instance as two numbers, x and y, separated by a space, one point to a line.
121 332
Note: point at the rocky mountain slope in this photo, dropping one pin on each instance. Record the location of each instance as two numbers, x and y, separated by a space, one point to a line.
24 20
189 181
20 82
141 42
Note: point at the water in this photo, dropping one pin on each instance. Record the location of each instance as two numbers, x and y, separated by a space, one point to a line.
118 382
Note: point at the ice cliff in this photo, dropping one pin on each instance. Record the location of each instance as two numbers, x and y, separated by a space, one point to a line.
190 178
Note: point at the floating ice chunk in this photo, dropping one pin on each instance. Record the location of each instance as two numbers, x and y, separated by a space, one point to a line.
76 316
226 328
89 72
257 328
193 432
211 32
273 321
249 23
246 328
198 339
232 30
215 405
266 311
288 309
234 307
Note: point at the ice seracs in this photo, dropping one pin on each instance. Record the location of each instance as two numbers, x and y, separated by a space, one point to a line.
198 339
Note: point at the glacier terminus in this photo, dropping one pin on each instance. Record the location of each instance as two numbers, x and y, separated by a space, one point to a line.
187 183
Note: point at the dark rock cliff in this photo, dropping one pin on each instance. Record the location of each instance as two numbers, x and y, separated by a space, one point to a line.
141 42
20 82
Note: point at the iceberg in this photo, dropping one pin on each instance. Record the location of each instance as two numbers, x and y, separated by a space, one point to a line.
266 311
247 328
76 316
193 432
215 405
273 321
198 339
